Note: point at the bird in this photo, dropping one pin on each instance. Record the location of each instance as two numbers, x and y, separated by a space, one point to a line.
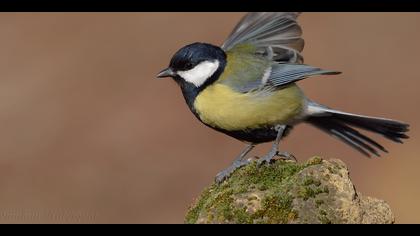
247 89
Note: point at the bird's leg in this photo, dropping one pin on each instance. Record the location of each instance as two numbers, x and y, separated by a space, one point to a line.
275 149
238 162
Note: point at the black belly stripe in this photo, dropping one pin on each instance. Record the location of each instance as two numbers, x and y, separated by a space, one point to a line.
261 135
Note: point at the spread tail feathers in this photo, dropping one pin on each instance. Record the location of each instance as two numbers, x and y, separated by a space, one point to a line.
338 124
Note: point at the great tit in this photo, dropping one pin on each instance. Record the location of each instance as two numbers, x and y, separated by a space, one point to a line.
247 89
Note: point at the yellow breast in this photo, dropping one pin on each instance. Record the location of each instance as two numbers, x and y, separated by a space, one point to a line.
219 106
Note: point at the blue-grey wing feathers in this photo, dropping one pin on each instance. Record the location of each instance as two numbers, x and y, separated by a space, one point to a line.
283 74
276 34
280 76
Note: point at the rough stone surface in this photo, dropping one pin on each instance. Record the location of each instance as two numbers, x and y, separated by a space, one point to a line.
317 191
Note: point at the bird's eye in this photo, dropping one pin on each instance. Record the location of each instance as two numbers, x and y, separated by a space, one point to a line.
188 65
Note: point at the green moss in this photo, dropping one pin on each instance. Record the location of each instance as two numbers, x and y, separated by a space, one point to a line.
221 202
252 198
262 177
323 217
293 215
319 202
310 187
314 161
194 210
306 192
308 180
276 209
217 203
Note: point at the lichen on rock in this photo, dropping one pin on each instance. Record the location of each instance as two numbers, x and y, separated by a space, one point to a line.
317 191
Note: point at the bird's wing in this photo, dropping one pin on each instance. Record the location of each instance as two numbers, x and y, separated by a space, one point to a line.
274 34
284 74
247 72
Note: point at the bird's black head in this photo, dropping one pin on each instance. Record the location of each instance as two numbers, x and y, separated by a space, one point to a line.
195 66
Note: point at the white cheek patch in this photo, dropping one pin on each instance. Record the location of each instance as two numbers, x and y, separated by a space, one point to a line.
200 73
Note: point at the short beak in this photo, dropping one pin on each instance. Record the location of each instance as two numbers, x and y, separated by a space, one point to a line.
168 72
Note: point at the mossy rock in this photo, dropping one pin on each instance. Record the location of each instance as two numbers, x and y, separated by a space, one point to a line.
317 191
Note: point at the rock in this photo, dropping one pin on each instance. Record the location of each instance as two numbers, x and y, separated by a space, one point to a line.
317 191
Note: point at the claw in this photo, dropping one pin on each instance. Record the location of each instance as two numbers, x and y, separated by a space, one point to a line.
224 174
286 156
267 158
271 156
220 177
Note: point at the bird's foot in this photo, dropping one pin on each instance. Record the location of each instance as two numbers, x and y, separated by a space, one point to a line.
286 156
224 174
267 158
271 156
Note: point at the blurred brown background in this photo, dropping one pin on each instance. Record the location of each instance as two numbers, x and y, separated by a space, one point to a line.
88 135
